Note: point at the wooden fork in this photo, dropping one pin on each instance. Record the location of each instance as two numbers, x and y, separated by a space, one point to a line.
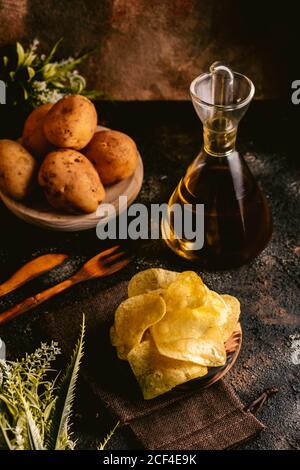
102 265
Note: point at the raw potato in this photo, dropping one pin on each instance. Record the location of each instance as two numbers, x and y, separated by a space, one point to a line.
17 170
113 154
71 123
70 181
33 138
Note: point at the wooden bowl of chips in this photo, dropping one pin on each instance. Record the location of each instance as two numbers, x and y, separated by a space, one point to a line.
175 332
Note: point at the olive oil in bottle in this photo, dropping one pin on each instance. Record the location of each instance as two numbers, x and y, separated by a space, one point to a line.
237 220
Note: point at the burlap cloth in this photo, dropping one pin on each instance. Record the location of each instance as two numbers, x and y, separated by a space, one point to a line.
213 418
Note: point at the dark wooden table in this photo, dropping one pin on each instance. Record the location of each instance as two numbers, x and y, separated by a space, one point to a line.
169 136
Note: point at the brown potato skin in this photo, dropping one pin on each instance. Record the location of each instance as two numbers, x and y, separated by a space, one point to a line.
70 182
17 170
33 137
71 122
113 154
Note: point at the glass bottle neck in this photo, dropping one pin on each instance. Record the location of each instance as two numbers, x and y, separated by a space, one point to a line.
219 143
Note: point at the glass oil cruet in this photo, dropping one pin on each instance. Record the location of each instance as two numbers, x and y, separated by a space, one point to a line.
237 219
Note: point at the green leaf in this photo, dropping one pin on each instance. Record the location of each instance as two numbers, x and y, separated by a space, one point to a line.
29 59
4 440
12 409
53 51
78 84
57 84
48 409
31 72
94 94
35 438
5 61
49 71
103 444
71 65
26 94
20 54
59 429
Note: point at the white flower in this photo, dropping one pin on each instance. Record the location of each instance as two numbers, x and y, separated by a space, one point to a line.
66 61
39 86
34 45
54 96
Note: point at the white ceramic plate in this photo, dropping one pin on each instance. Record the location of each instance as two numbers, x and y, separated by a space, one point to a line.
40 213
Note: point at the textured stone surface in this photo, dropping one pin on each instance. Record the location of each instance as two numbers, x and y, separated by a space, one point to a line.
153 49
168 136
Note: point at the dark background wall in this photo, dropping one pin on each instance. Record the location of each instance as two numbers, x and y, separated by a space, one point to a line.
153 49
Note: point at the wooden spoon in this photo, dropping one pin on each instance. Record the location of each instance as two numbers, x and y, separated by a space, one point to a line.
30 270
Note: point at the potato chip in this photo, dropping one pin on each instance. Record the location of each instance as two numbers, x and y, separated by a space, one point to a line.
233 316
181 324
191 327
206 350
188 290
149 280
133 317
157 374
217 306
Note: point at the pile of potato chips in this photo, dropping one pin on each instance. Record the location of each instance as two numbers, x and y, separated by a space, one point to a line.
172 328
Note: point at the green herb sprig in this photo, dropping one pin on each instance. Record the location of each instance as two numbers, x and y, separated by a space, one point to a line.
35 410
33 79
